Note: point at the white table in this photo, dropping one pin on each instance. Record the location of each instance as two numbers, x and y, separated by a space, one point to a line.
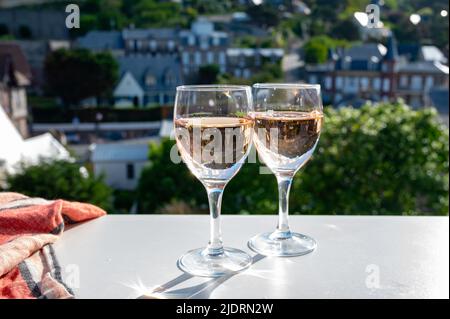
128 256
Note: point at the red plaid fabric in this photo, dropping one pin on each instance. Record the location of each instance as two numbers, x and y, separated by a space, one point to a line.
28 227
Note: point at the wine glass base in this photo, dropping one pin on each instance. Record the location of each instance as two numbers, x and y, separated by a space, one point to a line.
198 263
295 245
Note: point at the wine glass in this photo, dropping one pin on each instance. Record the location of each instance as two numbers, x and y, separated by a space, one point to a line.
213 131
288 120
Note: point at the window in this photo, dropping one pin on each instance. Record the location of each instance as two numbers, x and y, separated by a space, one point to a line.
191 40
328 83
130 171
153 45
339 82
364 83
198 58
386 85
185 57
150 80
313 79
210 57
403 81
215 41
204 43
222 58
170 79
377 83
237 73
246 74
429 82
170 45
416 82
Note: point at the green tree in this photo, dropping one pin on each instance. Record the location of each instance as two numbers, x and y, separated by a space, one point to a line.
60 179
208 74
4 30
380 159
74 75
25 32
315 52
345 29
263 15
316 49
162 180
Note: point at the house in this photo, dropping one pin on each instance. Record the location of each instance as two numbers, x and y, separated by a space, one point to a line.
15 75
149 63
245 62
202 45
100 41
15 149
150 41
35 24
154 61
372 71
120 163
147 79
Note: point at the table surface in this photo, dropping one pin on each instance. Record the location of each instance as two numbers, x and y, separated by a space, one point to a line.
134 256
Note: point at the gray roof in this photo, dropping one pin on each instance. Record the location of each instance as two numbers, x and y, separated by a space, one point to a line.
266 52
118 152
101 40
366 51
161 33
424 67
158 66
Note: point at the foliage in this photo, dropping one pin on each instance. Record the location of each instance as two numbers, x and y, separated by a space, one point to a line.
74 75
123 201
347 30
25 32
162 180
3 29
208 74
316 49
60 179
383 159
380 159
263 15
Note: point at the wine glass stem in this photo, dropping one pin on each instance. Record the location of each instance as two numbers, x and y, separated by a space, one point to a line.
215 246
284 186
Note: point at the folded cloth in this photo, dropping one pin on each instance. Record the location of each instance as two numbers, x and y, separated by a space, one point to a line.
28 227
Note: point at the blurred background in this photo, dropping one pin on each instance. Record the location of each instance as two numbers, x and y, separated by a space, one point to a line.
87 91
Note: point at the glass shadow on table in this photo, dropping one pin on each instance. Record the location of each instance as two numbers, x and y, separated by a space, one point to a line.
199 291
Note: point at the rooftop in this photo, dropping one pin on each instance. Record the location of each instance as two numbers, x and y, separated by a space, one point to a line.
116 152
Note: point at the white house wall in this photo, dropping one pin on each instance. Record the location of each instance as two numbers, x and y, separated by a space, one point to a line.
116 174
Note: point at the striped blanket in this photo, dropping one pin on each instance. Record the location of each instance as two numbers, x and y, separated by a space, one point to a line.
28 227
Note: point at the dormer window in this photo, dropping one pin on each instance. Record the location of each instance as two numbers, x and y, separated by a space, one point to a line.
204 43
150 80
347 62
169 78
191 40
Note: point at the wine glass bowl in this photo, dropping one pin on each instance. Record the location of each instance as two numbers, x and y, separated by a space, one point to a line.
213 132
288 121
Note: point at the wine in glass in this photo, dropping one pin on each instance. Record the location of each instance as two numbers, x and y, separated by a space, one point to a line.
213 131
288 120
